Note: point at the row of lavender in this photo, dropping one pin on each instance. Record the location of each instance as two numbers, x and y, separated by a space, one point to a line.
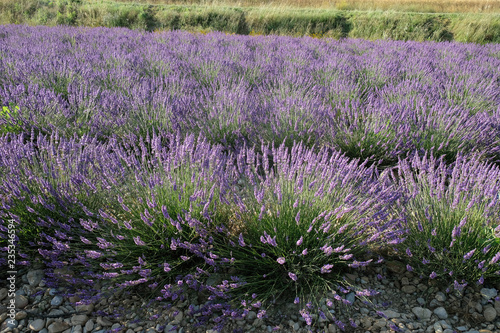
167 161
174 217
378 100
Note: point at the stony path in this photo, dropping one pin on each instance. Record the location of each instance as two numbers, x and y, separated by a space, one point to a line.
414 305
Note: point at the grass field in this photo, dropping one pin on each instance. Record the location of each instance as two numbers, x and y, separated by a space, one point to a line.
471 26
427 6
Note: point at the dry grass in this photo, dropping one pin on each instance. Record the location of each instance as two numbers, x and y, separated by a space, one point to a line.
431 6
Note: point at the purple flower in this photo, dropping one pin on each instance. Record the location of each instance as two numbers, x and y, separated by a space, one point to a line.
281 260
241 241
433 275
299 242
326 269
138 241
292 276
468 255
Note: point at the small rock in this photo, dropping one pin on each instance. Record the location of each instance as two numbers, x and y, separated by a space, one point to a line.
366 322
76 329
56 301
422 313
167 329
441 313
79 319
391 314
332 328
396 266
437 328
379 323
405 281
58 326
421 301
12 323
440 297
35 277
103 321
296 327
21 301
489 313
3 293
251 315
350 297
21 315
37 325
409 289
488 293
478 307
87 308
89 326
178 318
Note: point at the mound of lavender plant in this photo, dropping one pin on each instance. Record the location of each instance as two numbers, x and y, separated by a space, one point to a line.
450 217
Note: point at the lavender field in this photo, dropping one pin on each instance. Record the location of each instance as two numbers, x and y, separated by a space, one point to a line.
270 165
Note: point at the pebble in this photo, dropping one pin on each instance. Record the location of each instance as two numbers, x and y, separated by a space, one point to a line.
440 297
409 289
89 326
35 277
391 314
79 319
21 301
489 313
58 326
441 313
56 301
37 325
488 293
422 313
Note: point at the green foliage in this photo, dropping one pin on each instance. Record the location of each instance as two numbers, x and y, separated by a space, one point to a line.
8 121
462 27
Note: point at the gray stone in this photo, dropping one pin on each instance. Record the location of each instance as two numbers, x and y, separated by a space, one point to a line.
441 313
440 296
58 326
332 328
350 297
87 308
56 301
76 329
421 301
21 301
3 293
89 326
251 315
409 289
178 318
79 319
437 328
103 321
21 315
296 327
12 323
489 293
422 313
391 314
44 330
489 313
35 277
37 325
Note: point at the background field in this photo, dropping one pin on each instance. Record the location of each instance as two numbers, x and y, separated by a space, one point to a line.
463 21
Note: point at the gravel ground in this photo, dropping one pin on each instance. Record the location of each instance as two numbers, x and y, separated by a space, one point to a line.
415 305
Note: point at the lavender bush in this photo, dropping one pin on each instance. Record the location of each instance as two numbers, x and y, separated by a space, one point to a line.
450 216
